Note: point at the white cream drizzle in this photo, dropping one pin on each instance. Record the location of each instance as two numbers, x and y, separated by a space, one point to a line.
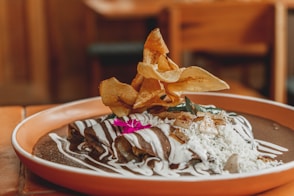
100 134
83 124
213 144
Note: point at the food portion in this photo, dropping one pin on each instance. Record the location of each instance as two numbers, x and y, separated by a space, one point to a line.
185 140
155 131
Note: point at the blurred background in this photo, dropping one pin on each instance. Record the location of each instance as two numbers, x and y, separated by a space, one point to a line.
54 51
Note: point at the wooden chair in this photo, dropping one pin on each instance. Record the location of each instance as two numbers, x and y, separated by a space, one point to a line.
232 30
110 52
112 56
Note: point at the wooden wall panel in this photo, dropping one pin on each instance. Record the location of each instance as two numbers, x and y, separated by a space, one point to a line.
3 41
67 42
14 65
23 53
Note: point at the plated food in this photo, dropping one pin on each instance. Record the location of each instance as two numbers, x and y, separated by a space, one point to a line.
265 117
154 131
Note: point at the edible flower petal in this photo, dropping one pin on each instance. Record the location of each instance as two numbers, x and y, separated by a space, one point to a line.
130 126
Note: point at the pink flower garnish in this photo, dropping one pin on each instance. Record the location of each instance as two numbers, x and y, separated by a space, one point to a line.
130 126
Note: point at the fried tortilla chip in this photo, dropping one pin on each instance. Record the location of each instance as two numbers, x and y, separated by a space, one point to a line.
196 79
159 81
120 97
137 82
154 47
150 88
152 71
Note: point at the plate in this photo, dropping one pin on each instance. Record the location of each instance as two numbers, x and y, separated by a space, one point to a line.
28 132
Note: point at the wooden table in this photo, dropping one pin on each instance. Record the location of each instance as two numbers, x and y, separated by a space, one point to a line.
142 8
15 179
127 8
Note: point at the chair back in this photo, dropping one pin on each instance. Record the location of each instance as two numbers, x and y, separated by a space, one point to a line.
226 27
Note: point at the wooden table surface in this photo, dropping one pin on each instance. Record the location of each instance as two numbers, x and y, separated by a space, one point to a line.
143 8
15 179
127 8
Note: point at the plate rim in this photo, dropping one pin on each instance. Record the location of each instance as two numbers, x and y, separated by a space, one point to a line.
43 162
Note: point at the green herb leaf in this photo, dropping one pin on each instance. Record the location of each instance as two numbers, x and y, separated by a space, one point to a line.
189 106
110 116
193 108
198 107
177 108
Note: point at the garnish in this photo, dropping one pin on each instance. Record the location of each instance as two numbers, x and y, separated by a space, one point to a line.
110 116
130 126
193 108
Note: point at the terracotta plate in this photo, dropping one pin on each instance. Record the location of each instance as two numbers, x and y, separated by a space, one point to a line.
27 133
